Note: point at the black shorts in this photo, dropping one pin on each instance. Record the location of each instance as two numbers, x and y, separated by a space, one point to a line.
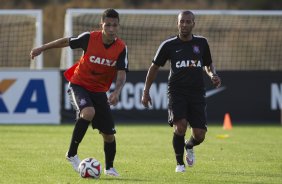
191 108
81 98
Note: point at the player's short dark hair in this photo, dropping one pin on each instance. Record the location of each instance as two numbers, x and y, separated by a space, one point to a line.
187 12
110 13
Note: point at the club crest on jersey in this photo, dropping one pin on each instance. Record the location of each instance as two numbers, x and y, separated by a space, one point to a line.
82 102
196 49
102 61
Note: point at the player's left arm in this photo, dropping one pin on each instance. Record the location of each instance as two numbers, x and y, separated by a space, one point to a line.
122 69
210 70
120 81
208 65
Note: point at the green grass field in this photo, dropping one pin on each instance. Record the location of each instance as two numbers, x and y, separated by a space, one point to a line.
35 154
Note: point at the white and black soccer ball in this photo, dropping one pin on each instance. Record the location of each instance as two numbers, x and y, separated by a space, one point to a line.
90 168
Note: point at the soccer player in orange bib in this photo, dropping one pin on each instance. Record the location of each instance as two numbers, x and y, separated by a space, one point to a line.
188 54
104 58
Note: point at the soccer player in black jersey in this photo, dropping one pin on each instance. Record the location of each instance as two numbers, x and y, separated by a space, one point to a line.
188 55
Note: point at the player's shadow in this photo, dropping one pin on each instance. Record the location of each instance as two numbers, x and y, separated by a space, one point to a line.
124 179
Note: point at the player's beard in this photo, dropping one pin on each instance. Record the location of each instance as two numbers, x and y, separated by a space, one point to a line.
185 36
185 33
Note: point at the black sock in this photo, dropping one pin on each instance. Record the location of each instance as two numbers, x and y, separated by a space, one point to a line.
178 145
110 153
79 131
191 143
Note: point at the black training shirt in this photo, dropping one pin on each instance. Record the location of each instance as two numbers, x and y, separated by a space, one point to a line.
187 59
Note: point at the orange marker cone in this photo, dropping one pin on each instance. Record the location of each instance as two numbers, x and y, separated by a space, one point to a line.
227 125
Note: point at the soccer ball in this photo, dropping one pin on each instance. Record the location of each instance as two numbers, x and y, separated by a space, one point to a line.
90 168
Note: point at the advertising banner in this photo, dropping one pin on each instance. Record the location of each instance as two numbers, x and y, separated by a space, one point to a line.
248 96
30 97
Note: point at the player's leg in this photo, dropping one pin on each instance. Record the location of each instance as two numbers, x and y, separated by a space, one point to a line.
180 127
80 128
197 137
85 112
177 119
110 152
197 121
104 122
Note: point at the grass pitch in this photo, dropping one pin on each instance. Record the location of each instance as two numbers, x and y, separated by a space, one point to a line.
246 154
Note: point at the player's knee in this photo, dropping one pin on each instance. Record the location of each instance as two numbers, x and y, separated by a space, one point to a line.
87 113
108 138
180 131
199 138
180 127
199 134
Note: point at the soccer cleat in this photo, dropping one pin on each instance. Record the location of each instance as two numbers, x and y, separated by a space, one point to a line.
180 168
74 161
111 172
190 158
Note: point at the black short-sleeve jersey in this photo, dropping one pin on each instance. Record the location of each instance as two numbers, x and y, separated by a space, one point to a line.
81 41
187 59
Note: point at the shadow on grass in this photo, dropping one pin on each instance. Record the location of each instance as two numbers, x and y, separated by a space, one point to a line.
124 179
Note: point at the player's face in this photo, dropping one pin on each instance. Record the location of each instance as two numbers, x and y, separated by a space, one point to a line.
110 28
185 24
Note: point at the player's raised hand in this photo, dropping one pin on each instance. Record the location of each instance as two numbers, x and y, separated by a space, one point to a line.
216 81
146 100
35 52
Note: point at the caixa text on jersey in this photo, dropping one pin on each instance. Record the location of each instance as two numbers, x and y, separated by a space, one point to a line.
188 63
102 61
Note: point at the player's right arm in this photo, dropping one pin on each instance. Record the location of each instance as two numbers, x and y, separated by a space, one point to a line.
151 75
81 41
159 60
59 43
